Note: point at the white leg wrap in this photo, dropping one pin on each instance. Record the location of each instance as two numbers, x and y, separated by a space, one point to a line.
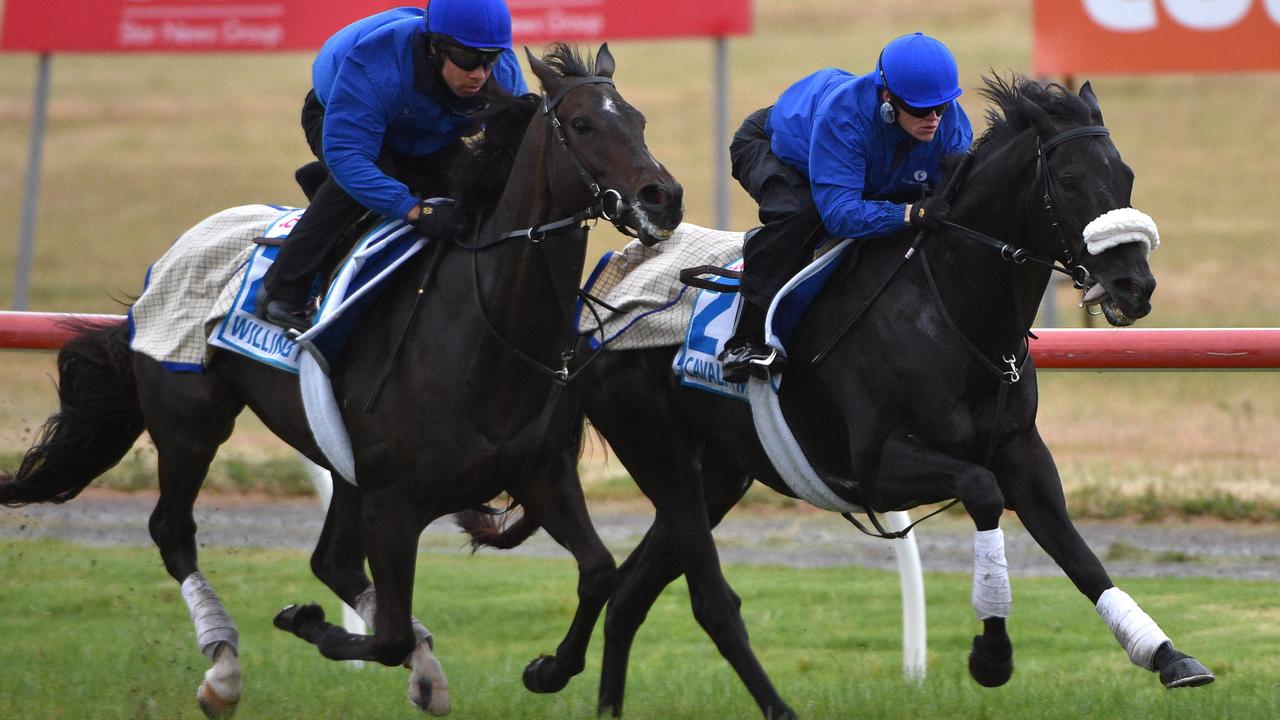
1137 633
212 622
366 605
992 595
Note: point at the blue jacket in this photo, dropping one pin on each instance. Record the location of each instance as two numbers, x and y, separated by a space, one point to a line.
828 127
367 78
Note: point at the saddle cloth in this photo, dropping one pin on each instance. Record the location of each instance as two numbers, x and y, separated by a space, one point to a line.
654 309
189 289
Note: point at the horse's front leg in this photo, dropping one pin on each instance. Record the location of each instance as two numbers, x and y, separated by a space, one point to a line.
911 473
553 495
338 561
1034 491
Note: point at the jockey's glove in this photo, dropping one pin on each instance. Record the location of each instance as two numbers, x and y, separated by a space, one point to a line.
930 213
440 218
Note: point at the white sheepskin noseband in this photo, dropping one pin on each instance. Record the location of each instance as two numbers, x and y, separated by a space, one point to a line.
1119 226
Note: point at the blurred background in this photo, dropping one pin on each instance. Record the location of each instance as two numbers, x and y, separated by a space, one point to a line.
141 146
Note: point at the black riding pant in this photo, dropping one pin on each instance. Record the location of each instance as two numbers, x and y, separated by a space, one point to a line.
313 245
792 229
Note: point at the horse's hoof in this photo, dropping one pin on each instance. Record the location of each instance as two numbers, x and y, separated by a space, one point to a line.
990 665
539 676
428 688
1185 672
293 617
212 705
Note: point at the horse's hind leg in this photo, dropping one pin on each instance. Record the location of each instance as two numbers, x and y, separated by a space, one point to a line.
554 497
647 571
911 472
188 416
338 561
1034 491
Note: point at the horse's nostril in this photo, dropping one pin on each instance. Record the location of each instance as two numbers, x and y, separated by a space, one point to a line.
653 196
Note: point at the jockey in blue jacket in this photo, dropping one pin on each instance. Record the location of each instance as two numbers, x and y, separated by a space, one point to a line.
391 96
845 156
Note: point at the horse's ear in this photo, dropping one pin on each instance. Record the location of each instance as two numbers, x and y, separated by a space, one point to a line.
1036 116
604 62
1086 94
549 78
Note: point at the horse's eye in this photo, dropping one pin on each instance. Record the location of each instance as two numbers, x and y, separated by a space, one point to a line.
1068 182
580 126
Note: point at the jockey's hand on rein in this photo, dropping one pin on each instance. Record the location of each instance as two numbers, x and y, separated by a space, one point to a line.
930 213
440 218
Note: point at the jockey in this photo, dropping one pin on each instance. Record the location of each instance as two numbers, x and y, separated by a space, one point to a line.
392 95
843 156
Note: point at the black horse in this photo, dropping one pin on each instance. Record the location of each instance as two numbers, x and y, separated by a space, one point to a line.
449 391
929 396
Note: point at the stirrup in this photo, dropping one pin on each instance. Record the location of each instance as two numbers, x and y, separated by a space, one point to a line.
748 361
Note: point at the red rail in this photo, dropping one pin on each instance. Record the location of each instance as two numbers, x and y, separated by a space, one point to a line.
1159 348
45 331
1080 349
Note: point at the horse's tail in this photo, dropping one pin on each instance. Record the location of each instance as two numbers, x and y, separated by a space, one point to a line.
99 420
496 531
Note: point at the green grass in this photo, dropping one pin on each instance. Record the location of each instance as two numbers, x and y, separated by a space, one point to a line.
102 633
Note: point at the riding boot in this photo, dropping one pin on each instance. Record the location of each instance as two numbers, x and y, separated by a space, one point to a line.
745 354
286 288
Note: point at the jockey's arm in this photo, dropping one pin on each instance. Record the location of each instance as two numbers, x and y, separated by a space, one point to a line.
837 177
355 125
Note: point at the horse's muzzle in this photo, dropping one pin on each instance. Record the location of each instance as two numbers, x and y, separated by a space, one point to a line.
656 210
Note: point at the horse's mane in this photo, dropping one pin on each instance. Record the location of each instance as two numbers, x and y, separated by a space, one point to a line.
1007 119
480 174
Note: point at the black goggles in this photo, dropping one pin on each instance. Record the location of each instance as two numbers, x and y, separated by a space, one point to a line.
468 58
920 112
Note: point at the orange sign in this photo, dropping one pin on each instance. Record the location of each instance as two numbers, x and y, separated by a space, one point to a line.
1155 36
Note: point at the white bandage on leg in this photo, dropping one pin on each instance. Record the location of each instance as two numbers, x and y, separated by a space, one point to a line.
1138 634
366 605
212 622
992 595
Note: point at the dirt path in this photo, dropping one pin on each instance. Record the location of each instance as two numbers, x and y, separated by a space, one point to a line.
800 538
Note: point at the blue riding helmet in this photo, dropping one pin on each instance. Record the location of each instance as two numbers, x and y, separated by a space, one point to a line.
918 70
480 24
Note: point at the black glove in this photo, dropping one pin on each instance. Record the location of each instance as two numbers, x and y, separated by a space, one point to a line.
930 213
440 218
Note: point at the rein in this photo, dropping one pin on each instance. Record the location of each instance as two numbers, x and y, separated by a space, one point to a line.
606 203
1017 256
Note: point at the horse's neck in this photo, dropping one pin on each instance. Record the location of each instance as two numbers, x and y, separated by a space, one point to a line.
525 291
990 299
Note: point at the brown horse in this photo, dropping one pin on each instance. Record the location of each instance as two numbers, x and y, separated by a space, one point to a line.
449 392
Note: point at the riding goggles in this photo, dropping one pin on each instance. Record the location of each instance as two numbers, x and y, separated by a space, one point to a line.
469 58
919 112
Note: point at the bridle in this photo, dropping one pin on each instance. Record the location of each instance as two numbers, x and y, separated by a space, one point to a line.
1068 264
606 203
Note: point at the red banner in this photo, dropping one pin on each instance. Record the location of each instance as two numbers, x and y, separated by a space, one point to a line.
261 25
1155 36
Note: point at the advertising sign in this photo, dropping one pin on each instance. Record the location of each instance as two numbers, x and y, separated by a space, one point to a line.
261 25
1155 36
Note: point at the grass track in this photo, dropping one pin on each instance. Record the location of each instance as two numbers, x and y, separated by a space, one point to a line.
102 633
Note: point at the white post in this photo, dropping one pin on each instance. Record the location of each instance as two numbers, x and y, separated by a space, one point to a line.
720 135
914 640
322 481
31 194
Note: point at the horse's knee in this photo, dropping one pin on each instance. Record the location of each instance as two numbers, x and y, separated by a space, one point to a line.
597 581
977 489
716 618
